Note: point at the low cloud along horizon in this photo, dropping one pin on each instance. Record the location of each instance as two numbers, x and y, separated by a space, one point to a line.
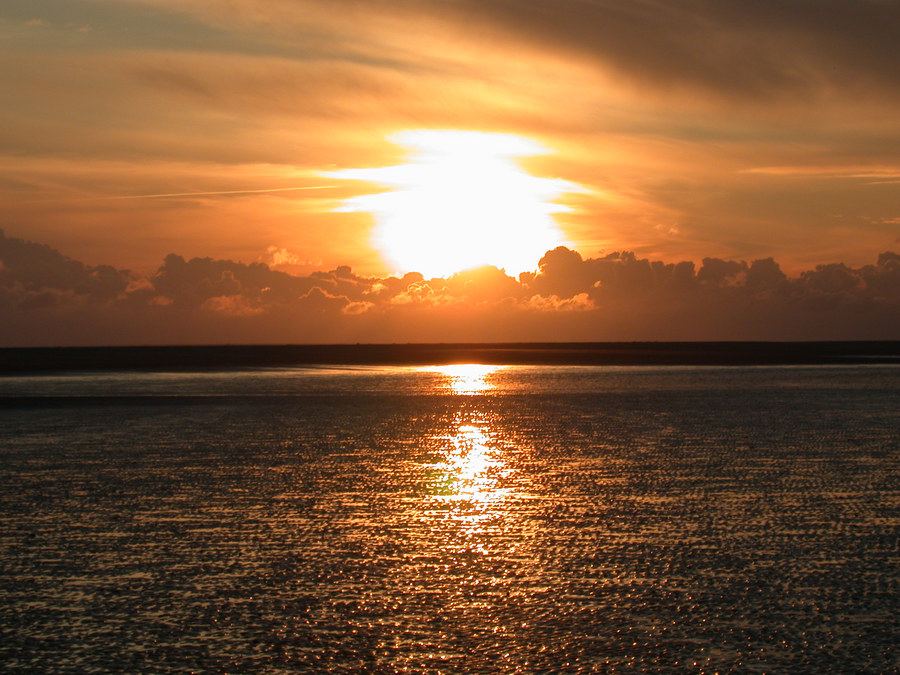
48 299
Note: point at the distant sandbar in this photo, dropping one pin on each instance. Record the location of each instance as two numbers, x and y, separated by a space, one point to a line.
216 357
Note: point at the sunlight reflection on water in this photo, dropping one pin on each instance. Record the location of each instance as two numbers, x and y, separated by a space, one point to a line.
468 480
466 378
471 470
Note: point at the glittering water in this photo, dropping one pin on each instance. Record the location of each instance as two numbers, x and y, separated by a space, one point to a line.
456 519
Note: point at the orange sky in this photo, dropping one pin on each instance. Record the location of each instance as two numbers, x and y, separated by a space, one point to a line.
132 129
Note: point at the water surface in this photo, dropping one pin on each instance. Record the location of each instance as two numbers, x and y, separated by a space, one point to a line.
451 519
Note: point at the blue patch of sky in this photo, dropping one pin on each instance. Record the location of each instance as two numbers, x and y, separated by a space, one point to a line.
91 25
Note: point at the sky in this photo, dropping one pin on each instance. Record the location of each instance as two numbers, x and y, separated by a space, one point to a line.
625 170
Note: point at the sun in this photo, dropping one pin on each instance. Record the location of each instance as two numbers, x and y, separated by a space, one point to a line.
461 201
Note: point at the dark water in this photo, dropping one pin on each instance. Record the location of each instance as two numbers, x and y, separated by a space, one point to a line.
527 519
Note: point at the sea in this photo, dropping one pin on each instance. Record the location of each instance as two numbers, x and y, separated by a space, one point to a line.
462 518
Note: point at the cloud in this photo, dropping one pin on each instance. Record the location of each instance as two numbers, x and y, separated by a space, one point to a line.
887 174
231 305
577 303
357 307
47 298
321 301
42 272
721 273
765 275
564 273
750 51
282 257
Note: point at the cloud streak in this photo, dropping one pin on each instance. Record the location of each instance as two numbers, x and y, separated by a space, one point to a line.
218 193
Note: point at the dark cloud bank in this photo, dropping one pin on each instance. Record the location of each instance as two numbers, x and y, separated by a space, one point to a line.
764 50
47 299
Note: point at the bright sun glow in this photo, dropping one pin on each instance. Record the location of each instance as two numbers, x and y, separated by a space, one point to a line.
462 201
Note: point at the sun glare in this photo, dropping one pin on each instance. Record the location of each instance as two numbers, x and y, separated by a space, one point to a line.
471 473
466 378
461 201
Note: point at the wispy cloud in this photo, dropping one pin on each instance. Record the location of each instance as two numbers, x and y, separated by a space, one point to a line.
883 173
224 192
